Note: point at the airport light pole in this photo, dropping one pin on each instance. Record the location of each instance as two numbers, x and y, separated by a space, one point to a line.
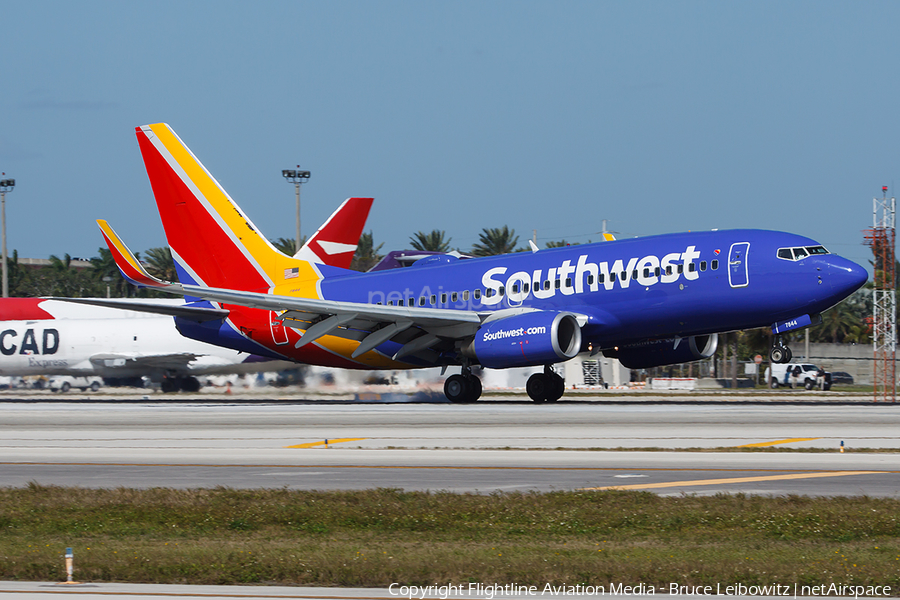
6 185
296 176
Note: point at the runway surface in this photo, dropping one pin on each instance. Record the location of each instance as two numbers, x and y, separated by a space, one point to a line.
473 448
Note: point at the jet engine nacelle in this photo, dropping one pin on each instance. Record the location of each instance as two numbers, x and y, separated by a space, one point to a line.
533 338
655 353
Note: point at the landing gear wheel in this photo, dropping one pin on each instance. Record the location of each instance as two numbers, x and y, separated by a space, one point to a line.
557 387
168 385
538 387
189 384
474 387
788 354
777 354
457 388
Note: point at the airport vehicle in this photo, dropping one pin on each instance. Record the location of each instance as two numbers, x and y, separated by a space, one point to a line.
805 374
41 336
842 377
64 383
647 301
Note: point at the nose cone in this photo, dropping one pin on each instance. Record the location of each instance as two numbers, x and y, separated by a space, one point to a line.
846 276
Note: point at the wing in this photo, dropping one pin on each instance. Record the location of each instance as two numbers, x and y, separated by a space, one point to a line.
175 361
370 324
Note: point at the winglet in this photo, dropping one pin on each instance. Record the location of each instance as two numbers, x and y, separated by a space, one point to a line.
131 268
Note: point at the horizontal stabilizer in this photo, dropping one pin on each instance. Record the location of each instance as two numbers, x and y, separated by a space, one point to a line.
193 313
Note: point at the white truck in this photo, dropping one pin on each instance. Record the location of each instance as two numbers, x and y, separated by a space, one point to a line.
794 374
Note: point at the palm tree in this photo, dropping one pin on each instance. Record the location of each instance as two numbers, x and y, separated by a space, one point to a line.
430 242
366 255
104 269
160 264
496 241
288 245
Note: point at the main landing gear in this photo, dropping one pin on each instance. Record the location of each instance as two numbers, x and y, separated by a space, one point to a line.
464 387
545 387
780 353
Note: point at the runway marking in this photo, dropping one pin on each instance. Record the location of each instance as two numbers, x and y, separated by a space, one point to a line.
776 442
667 484
325 442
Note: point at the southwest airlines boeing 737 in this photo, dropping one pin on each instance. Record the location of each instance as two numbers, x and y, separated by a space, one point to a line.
647 301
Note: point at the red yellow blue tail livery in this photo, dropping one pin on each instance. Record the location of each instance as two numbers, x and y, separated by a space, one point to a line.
646 301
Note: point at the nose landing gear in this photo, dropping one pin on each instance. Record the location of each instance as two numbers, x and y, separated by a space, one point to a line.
780 353
545 387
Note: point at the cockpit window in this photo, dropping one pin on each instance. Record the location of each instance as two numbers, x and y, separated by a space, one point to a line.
800 252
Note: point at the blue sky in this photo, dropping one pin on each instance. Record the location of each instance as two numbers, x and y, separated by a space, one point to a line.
657 116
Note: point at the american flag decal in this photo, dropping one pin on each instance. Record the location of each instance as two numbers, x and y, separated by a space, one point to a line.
292 273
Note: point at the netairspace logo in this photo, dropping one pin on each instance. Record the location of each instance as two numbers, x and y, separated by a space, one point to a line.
491 591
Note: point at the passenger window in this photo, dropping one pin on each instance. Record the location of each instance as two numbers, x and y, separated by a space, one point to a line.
515 288
568 282
557 284
715 265
656 272
634 274
547 284
390 302
443 298
421 300
601 278
692 267
646 272
466 295
453 297
502 290
488 292
680 269
623 275
591 279
378 303
433 300
478 293
525 288
702 265
668 269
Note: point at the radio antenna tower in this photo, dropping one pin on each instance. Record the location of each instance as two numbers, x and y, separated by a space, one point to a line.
882 239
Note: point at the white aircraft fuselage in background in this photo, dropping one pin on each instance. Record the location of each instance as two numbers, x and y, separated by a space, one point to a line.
62 338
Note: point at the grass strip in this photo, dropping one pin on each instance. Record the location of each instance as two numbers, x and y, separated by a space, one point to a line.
383 536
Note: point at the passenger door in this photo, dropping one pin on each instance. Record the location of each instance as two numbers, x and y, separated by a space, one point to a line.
738 273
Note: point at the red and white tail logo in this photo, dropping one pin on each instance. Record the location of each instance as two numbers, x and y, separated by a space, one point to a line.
335 242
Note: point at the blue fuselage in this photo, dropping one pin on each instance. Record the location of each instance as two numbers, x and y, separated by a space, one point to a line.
661 286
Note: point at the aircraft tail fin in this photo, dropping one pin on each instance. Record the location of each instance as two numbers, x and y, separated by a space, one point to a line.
335 242
213 242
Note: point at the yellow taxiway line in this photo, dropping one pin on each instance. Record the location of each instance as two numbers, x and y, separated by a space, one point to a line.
325 442
729 480
776 442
